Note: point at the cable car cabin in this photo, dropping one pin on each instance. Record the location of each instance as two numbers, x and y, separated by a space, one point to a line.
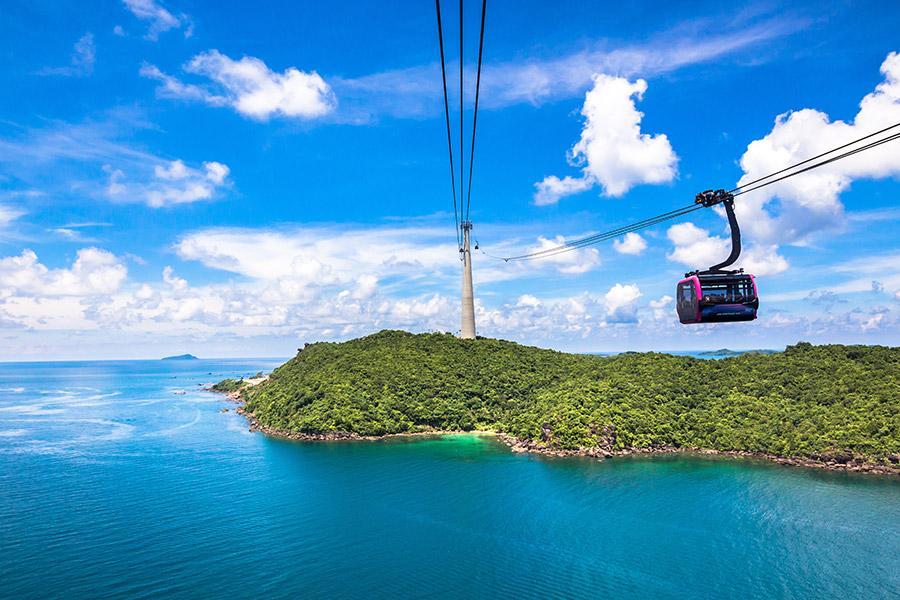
719 298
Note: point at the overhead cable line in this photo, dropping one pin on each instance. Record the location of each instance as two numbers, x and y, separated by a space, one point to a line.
462 182
475 114
818 156
605 236
746 188
456 212
824 162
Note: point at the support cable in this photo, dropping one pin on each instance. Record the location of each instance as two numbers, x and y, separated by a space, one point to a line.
475 114
606 235
456 212
462 158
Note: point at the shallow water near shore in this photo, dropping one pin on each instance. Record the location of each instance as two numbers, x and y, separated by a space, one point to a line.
125 479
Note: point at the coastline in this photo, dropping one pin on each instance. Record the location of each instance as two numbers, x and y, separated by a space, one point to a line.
532 447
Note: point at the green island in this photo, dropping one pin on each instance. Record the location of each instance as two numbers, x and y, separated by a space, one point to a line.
833 405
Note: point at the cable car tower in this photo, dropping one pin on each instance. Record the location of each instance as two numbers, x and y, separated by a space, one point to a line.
467 331
461 212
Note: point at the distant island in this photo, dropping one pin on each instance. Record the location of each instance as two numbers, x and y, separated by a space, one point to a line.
726 353
181 357
833 406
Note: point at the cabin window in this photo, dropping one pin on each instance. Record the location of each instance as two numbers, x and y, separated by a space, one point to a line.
685 296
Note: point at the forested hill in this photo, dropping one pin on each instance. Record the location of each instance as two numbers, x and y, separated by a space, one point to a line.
810 401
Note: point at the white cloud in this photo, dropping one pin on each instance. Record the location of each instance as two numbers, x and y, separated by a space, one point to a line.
93 295
632 243
37 156
528 300
366 286
172 183
576 316
662 308
613 151
8 214
249 87
172 87
84 55
321 255
694 247
697 249
861 272
159 18
296 260
794 210
763 260
176 283
94 271
573 262
621 303
410 92
809 203
552 188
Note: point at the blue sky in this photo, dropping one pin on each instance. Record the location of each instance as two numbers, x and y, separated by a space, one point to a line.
231 180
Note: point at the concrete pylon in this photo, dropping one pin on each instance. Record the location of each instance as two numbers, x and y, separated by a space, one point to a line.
467 332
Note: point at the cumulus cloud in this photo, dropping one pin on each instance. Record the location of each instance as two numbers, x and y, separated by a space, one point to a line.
171 183
697 249
249 87
579 315
810 202
632 243
612 151
94 271
158 18
552 188
663 309
621 303
93 294
796 209
176 283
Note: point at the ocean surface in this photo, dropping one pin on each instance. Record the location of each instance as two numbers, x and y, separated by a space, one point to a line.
124 479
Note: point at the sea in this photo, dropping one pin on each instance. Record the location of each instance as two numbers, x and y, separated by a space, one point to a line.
125 479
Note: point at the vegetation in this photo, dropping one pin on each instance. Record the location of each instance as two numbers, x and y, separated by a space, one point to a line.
228 386
839 402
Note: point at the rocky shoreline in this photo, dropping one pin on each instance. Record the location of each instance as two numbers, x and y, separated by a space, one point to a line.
846 464
849 464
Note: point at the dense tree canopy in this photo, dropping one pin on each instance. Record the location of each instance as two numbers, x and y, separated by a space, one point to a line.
809 401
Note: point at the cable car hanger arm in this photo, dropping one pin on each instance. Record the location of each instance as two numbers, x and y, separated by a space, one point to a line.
711 198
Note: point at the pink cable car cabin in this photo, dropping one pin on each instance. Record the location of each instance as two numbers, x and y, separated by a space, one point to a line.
717 295
717 299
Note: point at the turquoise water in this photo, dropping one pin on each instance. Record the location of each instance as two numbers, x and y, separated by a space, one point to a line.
115 484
